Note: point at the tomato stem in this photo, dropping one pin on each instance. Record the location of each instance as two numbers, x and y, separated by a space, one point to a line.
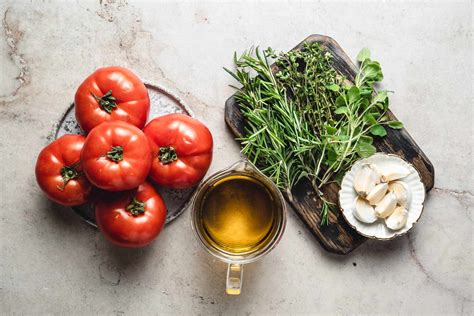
115 154
107 102
136 207
69 173
167 155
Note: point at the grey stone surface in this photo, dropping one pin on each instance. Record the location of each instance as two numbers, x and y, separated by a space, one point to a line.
52 263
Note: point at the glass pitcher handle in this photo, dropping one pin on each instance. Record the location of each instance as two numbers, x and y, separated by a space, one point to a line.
234 279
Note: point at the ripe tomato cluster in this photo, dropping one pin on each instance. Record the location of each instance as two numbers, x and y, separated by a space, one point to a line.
120 155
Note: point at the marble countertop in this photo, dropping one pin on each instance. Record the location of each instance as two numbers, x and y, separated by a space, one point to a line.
53 263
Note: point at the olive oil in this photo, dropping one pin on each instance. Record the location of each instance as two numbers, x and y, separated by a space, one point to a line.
237 215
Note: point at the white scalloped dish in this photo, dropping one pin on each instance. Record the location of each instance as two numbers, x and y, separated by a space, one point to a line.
378 230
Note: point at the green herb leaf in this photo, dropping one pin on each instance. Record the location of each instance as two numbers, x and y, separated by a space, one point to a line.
384 118
365 91
363 55
395 124
380 97
378 130
376 114
366 139
330 129
353 94
369 119
331 157
364 103
365 150
373 72
333 87
341 110
340 101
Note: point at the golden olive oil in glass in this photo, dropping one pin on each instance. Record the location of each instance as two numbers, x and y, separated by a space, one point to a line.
237 215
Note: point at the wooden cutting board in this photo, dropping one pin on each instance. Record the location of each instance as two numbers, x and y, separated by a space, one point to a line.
338 237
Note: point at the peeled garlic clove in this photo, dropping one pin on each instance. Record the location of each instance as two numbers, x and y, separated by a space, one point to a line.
364 211
365 180
398 219
400 189
377 193
386 206
393 172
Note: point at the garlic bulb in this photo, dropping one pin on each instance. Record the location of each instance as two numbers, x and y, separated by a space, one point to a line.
386 206
377 193
400 189
398 219
392 172
366 179
364 211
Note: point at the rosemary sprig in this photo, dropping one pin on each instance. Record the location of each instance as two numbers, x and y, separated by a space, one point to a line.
306 120
276 134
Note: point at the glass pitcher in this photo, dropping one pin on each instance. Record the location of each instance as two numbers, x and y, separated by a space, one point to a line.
236 260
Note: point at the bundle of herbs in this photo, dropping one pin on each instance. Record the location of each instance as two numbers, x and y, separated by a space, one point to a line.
304 120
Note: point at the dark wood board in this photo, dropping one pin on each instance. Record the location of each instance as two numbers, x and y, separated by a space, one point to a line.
338 237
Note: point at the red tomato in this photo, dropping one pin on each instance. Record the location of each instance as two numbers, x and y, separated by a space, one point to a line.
116 156
109 94
59 171
181 148
131 218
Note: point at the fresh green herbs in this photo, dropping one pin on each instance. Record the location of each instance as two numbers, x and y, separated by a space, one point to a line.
304 120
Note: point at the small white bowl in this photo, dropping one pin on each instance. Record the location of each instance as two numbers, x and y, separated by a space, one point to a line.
378 230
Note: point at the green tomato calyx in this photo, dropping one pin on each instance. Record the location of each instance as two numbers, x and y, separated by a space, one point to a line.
136 207
167 155
115 154
69 173
107 102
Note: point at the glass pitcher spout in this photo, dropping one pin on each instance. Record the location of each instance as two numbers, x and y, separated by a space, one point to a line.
245 165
